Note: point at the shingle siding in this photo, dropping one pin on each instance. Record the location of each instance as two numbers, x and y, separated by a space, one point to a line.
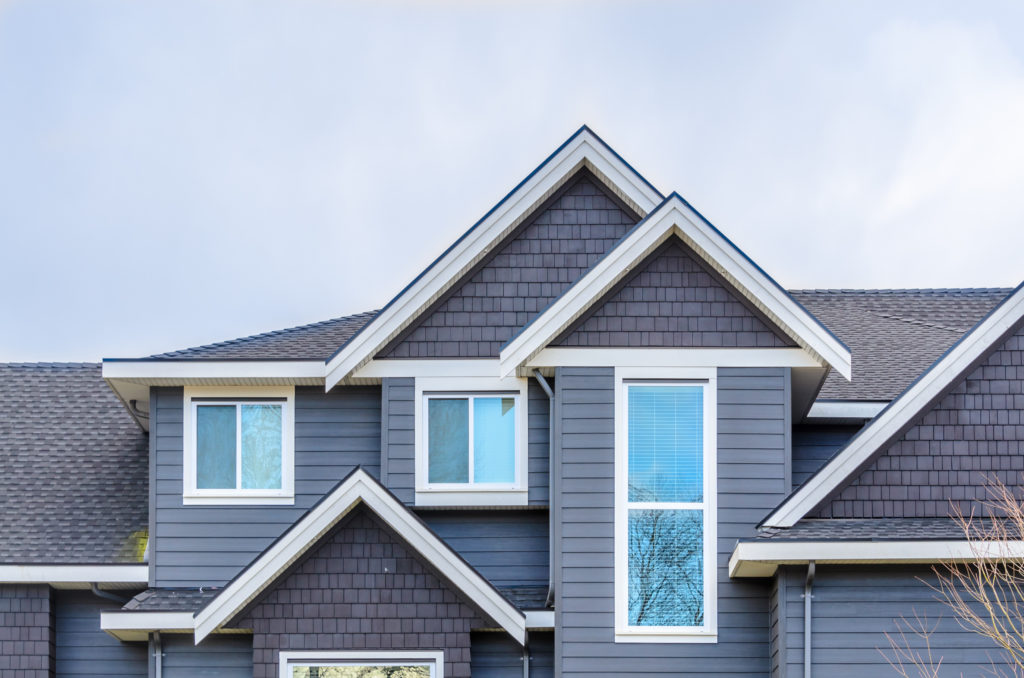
974 432
752 478
535 264
674 300
83 649
26 632
208 545
362 588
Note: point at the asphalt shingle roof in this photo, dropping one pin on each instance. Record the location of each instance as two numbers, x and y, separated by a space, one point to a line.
73 468
894 335
868 529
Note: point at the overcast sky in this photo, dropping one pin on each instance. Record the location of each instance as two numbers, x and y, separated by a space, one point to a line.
178 173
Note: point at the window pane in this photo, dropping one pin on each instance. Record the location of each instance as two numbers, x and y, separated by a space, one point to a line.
354 671
448 444
215 447
666 443
494 440
261 447
666 568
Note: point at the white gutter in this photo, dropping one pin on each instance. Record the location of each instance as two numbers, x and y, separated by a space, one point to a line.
74 574
846 409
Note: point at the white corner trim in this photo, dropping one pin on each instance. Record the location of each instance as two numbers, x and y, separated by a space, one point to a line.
672 357
359 487
761 558
846 409
675 217
434 658
166 371
129 625
540 619
583 148
900 413
74 574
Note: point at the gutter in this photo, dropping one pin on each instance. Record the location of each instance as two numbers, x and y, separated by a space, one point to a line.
552 493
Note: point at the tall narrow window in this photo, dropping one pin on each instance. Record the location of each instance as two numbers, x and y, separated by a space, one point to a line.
664 516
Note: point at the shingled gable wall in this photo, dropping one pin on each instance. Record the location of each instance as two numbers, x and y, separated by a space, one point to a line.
537 262
362 589
673 299
973 432
26 632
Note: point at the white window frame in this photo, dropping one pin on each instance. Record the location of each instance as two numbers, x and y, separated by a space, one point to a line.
471 494
193 396
431 658
668 376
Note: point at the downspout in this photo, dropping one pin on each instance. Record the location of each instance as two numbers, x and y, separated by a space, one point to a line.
526 656
106 594
158 655
552 493
808 595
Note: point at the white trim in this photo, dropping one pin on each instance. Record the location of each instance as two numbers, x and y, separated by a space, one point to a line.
130 625
432 658
471 494
900 413
846 409
540 619
212 369
761 558
74 574
379 369
359 487
676 218
238 394
584 148
707 379
672 357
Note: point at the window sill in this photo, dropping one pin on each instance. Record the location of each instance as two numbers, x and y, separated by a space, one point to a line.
683 637
472 498
238 500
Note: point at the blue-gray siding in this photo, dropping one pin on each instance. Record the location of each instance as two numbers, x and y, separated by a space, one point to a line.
86 651
496 655
752 479
510 548
398 440
814 445
208 545
852 610
218 656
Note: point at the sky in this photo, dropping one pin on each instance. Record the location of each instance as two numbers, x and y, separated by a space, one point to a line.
176 173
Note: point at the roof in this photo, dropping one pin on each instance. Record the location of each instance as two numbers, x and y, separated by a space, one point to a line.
867 529
75 468
316 341
894 335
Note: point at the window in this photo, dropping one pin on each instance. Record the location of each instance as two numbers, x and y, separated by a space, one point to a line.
238 446
470 442
665 510
362 664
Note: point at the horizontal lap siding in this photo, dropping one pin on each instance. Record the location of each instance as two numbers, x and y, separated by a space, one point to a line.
852 610
814 445
208 545
84 650
509 548
496 655
752 448
217 656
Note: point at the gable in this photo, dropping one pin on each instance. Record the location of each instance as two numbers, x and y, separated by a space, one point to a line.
672 299
973 433
536 263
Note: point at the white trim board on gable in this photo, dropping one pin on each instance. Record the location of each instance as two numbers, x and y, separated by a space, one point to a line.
358 488
894 420
675 218
583 149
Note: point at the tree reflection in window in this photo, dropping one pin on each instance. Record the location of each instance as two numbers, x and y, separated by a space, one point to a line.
361 671
666 569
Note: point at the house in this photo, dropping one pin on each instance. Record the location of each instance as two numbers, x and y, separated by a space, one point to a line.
593 438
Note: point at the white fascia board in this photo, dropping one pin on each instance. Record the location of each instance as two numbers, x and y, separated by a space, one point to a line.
583 149
379 369
360 487
846 409
131 626
672 357
165 370
761 558
74 574
899 413
675 217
